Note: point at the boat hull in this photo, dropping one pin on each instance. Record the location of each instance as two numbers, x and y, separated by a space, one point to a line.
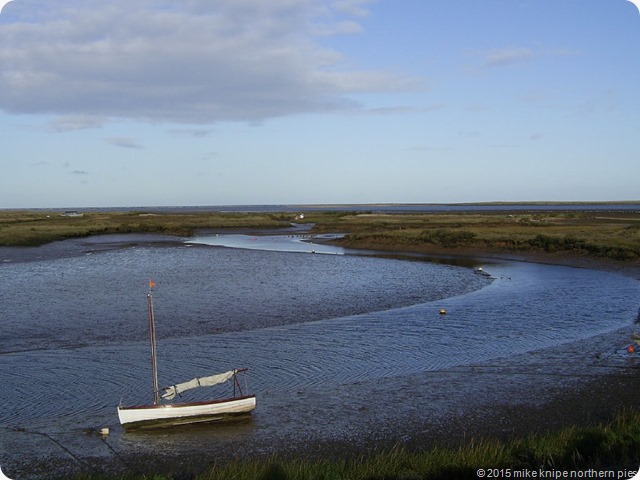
157 416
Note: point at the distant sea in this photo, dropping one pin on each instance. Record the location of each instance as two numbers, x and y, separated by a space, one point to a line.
373 207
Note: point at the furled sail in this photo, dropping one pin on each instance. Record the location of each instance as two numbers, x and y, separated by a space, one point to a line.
170 392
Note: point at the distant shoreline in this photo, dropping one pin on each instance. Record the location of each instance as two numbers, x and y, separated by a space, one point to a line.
604 240
294 207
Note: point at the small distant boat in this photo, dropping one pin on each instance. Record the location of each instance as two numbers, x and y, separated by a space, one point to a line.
173 414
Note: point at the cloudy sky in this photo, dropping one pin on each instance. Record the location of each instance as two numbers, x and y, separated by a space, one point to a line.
218 102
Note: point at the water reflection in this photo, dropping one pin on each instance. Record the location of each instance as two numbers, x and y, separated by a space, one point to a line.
298 242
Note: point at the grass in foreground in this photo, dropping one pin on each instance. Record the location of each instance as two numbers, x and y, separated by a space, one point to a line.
613 445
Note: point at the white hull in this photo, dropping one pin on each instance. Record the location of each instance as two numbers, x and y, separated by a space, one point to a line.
151 416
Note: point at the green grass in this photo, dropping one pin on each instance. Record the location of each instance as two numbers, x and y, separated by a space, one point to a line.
608 235
611 445
602 235
25 228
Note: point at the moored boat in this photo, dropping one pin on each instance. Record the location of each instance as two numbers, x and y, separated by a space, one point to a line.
172 414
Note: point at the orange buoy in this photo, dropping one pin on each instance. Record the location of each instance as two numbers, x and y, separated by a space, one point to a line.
631 349
443 312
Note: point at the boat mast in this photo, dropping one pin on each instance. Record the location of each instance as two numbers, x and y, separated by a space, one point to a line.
152 337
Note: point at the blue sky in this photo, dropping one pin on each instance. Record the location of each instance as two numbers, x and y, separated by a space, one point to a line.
117 103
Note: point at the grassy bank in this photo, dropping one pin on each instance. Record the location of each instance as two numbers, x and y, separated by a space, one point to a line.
604 235
613 445
608 235
27 228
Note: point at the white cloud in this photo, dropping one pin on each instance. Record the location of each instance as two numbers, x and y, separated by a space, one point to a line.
191 132
352 7
189 61
506 56
123 142
509 56
401 109
75 122
336 28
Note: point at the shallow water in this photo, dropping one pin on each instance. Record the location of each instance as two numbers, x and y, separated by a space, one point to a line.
324 336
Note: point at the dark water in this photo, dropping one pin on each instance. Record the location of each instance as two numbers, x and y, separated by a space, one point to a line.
99 299
325 336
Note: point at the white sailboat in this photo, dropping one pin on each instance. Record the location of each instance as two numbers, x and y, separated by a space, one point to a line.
172 414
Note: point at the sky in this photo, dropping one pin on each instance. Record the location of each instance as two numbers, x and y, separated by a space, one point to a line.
122 103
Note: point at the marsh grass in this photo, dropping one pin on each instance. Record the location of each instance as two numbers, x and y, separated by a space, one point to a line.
615 444
612 235
34 228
